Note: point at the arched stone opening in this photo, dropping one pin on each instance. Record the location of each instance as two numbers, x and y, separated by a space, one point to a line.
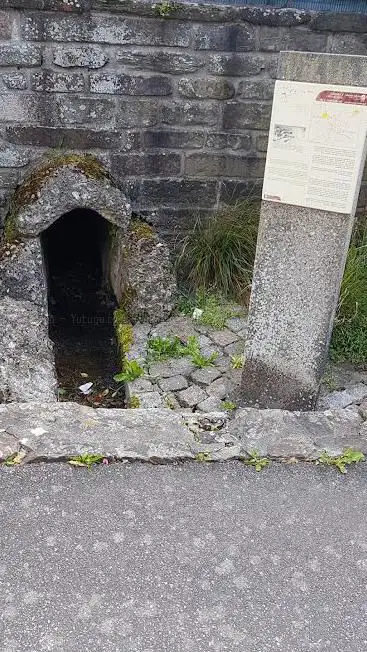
68 215
81 303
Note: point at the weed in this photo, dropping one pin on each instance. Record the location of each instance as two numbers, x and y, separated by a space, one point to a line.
257 461
14 460
132 371
349 456
329 381
219 252
165 8
202 457
228 405
199 360
161 348
237 361
215 309
87 459
349 339
134 402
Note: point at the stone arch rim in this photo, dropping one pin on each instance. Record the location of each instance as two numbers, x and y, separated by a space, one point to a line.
66 189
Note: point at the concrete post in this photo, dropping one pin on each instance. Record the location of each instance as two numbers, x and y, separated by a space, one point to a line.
299 264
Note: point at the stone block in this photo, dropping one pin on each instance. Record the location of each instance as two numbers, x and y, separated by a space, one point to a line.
13 157
149 400
179 326
219 388
322 68
161 61
223 165
23 274
137 113
173 384
228 141
191 396
278 433
141 274
262 142
206 114
339 22
101 28
49 81
115 84
83 111
234 349
80 56
349 44
181 191
173 139
236 324
231 191
211 404
27 371
272 16
223 337
224 38
5 25
276 39
14 81
174 367
205 376
341 399
138 386
20 54
200 88
155 164
241 65
73 138
259 89
249 115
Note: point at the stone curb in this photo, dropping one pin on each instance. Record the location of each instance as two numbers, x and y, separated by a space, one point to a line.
54 432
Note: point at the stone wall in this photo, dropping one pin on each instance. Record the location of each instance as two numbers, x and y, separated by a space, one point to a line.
177 108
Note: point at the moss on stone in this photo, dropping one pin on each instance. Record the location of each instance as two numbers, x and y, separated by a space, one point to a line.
28 191
134 402
10 232
142 229
124 333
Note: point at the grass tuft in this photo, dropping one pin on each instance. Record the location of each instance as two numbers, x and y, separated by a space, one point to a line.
349 338
219 252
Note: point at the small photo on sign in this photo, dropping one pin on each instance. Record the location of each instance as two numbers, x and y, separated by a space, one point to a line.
287 135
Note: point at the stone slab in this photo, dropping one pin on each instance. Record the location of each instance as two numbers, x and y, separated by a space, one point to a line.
282 434
299 263
342 399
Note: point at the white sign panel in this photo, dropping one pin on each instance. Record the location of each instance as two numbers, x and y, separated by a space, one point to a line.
317 146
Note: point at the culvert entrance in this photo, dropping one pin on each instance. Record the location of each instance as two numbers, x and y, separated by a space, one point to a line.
81 306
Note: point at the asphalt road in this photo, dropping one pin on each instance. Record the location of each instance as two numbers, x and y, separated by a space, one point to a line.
197 558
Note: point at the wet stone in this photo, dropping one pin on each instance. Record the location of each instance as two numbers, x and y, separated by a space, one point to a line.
191 396
173 384
205 376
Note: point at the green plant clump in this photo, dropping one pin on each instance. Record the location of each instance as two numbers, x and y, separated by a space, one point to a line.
134 402
219 252
349 338
199 360
161 348
215 308
349 456
237 361
257 461
87 459
165 8
132 370
202 457
228 405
